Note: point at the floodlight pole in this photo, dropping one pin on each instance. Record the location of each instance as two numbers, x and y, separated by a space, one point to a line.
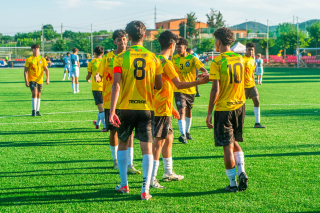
297 43
185 30
42 42
61 30
91 42
267 53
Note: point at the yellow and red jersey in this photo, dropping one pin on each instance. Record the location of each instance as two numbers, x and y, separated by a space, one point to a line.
35 67
228 68
186 69
106 71
93 68
164 97
139 68
249 67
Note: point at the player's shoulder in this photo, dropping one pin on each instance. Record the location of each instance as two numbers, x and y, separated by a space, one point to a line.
110 54
175 57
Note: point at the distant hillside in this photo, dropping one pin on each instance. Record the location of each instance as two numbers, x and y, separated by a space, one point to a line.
256 26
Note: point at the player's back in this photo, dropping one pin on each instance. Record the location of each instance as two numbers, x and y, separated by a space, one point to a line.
139 68
228 67
74 60
66 60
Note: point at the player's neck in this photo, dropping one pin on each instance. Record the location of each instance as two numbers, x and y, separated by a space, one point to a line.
248 56
183 54
118 50
225 49
165 53
35 55
140 43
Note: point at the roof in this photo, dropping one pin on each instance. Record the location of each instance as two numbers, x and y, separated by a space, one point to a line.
170 20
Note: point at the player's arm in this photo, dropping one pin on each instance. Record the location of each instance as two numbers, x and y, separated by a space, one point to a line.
47 74
88 77
204 71
158 79
25 76
213 98
99 75
78 61
175 113
114 120
184 85
200 66
98 78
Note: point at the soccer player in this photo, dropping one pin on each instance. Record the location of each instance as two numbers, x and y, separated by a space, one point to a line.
137 73
66 64
191 52
97 86
74 69
163 110
185 65
105 72
249 84
259 68
33 76
227 95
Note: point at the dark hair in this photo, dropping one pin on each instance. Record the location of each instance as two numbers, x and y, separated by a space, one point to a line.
225 35
68 53
98 50
250 44
189 50
118 34
106 51
136 30
35 46
182 41
167 38
75 50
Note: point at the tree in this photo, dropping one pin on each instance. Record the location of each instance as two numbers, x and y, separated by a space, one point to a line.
69 34
60 45
191 24
181 29
206 45
83 44
314 31
156 48
27 42
263 43
283 41
48 27
108 44
7 38
215 19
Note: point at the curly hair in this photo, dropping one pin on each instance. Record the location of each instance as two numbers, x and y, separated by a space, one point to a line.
136 30
182 41
167 38
98 50
75 50
250 44
118 34
35 46
225 35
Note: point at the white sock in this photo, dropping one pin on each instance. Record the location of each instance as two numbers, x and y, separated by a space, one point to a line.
69 75
34 103
231 174
102 119
167 163
257 114
122 164
261 79
38 104
239 158
188 124
155 169
73 87
182 126
130 156
147 162
77 86
64 75
98 119
114 150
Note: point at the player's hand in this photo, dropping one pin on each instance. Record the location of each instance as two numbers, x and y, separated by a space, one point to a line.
175 113
47 81
209 121
204 79
89 81
96 77
27 83
114 120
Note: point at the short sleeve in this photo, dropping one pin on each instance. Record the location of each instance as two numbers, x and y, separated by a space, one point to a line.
214 71
159 69
198 63
26 64
169 70
45 63
117 65
102 65
89 68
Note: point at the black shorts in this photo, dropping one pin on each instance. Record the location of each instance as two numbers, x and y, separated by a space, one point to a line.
97 97
140 120
108 124
34 85
184 100
251 92
162 126
228 126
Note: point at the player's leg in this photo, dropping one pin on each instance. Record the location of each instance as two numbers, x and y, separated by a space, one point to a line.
122 164
113 139
64 74
68 73
261 74
39 89
198 94
34 95
77 83
131 169
189 102
256 109
229 163
73 82
181 106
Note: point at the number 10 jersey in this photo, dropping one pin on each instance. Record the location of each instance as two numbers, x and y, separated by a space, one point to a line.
139 68
228 68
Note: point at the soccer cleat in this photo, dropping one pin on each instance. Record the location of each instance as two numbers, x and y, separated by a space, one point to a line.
33 113
183 139
63 79
188 136
243 181
197 95
123 190
95 123
78 91
155 184
74 91
68 78
258 125
115 164
172 177
38 113
104 130
133 171
145 196
231 189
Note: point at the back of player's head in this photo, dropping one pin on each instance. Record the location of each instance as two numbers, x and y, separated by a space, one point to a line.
189 50
118 34
225 35
182 41
98 50
106 52
167 38
75 50
250 44
136 30
259 55
35 46
68 53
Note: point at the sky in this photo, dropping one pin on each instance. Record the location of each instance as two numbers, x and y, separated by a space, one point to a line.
77 15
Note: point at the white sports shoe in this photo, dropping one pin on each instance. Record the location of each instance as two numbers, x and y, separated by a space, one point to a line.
63 79
78 91
155 184
172 177
74 91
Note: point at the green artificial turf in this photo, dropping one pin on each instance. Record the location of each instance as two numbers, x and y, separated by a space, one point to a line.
60 163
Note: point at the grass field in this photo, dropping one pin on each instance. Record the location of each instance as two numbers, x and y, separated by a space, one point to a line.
60 163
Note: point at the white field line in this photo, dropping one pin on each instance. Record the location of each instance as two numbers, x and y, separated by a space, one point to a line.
52 113
46 122
276 105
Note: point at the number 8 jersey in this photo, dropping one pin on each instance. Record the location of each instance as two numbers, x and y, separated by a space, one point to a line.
139 68
228 68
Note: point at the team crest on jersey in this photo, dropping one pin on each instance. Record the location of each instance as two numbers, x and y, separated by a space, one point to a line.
187 64
178 103
40 62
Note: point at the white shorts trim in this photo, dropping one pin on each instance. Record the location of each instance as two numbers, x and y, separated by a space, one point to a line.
74 73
